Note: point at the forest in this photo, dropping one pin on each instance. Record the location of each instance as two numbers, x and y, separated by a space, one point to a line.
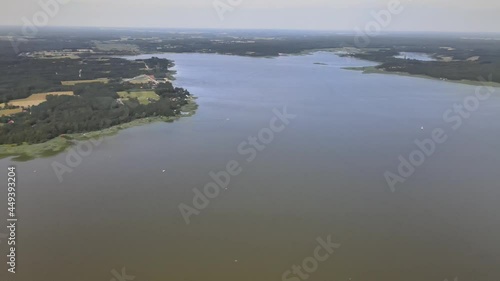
94 105
267 43
92 108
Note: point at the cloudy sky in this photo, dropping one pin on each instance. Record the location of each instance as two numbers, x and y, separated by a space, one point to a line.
418 15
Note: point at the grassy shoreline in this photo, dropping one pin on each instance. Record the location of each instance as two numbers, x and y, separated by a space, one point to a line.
375 70
26 152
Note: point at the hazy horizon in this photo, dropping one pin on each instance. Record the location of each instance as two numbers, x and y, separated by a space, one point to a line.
200 29
320 15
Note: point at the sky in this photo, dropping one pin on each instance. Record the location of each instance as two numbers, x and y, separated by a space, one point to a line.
334 15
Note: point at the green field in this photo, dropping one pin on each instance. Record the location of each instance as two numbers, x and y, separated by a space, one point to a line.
144 97
76 82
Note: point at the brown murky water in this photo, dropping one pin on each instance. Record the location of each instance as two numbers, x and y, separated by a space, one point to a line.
322 175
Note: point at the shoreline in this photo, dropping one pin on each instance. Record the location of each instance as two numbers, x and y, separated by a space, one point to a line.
53 147
338 51
27 152
374 70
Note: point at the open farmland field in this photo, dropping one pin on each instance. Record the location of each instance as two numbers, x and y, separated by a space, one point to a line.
7 112
141 79
36 99
144 97
75 82
115 46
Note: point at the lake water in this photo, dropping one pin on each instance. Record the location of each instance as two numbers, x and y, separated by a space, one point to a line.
322 175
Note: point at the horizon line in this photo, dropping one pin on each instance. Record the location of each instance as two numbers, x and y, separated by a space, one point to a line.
252 29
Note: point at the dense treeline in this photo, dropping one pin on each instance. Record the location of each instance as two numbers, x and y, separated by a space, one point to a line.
448 70
485 67
22 76
94 108
271 43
